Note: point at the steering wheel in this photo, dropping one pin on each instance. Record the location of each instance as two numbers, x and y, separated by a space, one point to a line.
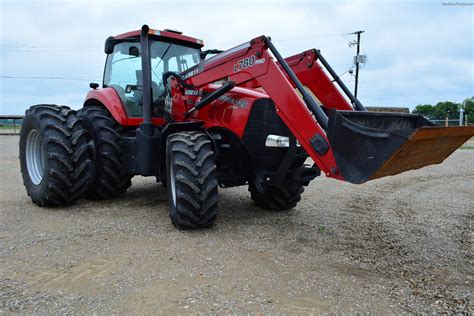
159 96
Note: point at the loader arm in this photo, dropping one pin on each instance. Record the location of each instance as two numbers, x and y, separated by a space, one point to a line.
252 62
312 75
345 141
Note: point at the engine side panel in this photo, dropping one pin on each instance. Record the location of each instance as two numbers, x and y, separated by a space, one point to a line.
230 111
264 121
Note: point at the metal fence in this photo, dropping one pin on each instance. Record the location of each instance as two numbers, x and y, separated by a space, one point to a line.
452 122
10 124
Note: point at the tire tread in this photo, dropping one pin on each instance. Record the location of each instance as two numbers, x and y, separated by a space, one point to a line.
68 153
109 178
195 180
281 198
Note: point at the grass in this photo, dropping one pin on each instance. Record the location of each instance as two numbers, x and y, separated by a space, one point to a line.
9 126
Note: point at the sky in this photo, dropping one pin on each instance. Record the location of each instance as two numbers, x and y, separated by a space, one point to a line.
418 52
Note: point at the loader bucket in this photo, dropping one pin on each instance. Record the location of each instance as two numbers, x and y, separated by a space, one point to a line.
372 145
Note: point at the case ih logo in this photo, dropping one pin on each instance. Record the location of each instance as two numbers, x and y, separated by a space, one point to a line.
190 74
191 92
247 63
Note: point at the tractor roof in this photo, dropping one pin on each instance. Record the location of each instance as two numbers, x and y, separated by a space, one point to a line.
167 33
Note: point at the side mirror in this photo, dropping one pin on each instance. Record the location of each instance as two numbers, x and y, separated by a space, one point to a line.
93 85
109 45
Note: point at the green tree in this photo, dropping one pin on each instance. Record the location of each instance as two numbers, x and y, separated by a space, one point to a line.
427 110
447 108
468 106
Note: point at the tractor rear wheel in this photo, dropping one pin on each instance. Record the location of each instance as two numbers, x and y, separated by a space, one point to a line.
191 180
109 179
277 198
55 155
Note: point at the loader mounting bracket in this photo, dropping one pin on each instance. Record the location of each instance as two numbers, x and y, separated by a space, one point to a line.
319 144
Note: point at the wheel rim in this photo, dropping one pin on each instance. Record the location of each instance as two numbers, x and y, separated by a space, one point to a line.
34 157
172 184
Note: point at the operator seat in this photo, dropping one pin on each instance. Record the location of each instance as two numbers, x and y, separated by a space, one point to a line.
157 105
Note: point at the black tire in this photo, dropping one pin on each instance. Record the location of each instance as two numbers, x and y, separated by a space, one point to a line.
191 180
54 140
109 179
282 198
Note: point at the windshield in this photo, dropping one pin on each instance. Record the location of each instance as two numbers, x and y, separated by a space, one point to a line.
123 72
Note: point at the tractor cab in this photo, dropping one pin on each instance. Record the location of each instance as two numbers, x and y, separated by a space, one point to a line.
169 51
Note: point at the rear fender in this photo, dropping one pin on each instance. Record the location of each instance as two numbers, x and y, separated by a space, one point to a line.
110 100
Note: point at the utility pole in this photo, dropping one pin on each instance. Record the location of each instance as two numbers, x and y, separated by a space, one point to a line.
356 59
461 116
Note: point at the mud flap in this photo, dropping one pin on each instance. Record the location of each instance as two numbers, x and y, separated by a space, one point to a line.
372 145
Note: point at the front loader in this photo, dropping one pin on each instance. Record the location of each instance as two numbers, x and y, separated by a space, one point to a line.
245 116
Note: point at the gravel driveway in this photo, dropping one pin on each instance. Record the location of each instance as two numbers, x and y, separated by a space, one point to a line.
398 244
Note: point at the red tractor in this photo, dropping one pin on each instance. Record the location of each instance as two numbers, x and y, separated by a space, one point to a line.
245 116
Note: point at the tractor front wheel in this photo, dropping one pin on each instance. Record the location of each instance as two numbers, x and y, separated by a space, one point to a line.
281 198
191 180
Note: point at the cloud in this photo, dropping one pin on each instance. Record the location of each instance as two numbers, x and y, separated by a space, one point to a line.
419 51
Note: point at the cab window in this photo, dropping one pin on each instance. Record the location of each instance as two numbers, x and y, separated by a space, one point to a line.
123 72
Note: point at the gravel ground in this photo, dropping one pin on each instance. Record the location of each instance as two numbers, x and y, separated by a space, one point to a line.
401 244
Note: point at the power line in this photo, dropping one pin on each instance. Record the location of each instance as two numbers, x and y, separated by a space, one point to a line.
49 44
348 70
19 47
375 83
52 48
48 78
24 46
31 50
308 37
46 45
283 39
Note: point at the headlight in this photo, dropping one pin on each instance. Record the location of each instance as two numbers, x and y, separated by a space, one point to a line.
279 141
